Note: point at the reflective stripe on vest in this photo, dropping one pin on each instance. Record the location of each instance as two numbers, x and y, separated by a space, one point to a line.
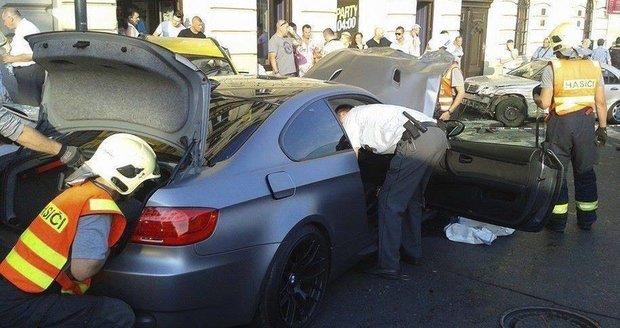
587 206
574 85
43 249
446 96
560 209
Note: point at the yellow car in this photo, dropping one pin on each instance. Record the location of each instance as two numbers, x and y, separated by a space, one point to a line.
206 54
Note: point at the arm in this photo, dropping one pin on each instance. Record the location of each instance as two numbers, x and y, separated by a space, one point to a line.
82 269
601 106
33 139
90 245
544 100
274 65
19 58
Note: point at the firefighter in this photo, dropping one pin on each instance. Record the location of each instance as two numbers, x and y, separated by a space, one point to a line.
44 276
572 88
12 128
452 88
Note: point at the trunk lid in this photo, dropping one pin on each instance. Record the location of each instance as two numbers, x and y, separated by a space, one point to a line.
101 81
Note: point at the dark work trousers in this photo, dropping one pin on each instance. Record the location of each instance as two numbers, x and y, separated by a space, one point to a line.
19 309
401 198
29 84
572 138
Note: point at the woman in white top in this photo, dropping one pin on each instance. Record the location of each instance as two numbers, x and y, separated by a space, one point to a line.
358 42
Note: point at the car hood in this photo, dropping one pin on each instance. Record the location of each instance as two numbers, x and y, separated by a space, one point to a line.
391 75
501 81
208 47
101 81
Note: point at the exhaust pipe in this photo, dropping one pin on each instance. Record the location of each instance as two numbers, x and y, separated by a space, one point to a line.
81 24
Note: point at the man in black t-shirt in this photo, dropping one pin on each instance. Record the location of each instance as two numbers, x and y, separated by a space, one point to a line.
195 30
615 54
379 40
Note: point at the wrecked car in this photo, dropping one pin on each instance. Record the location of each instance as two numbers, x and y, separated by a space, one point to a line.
246 223
508 97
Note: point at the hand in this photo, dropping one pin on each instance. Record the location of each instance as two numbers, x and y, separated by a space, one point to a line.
6 59
445 116
601 136
71 156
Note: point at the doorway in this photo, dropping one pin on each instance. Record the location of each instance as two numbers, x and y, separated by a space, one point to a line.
424 18
474 18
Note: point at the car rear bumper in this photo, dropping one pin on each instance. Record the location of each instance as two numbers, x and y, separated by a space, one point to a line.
175 287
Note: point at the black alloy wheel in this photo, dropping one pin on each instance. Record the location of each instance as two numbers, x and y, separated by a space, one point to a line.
296 281
511 111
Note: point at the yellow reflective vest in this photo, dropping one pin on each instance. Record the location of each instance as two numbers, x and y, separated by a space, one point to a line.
574 84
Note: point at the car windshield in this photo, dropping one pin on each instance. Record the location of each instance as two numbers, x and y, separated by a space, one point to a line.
211 66
532 70
232 120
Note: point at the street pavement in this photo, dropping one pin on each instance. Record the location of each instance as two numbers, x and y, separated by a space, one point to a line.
462 285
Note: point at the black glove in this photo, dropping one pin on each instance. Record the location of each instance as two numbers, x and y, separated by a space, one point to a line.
601 136
71 156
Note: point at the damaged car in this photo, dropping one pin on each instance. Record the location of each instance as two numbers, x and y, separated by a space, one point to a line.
508 97
245 224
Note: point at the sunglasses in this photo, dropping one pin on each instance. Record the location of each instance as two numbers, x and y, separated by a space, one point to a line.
398 33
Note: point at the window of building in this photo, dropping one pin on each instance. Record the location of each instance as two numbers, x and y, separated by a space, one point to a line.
542 23
521 28
543 11
578 23
314 132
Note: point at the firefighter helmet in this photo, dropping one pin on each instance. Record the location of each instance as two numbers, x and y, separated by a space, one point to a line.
565 40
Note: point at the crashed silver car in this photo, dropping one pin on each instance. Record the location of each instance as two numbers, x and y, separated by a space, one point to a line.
508 97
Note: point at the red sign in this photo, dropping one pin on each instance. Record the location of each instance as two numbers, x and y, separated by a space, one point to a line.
613 6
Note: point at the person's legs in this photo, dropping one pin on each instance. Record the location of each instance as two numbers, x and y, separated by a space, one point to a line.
584 157
20 309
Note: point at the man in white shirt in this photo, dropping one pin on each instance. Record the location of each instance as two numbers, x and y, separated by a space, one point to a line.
29 75
400 43
415 40
172 27
331 42
418 145
133 17
307 49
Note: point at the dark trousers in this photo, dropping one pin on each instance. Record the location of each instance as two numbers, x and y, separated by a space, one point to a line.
572 138
20 309
29 84
401 199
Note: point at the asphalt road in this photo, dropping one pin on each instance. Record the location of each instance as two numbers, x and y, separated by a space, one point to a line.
462 285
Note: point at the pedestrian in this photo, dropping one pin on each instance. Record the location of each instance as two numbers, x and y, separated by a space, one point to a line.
195 29
358 42
307 49
400 43
441 41
48 271
29 75
614 53
545 51
345 38
281 55
415 40
571 133
601 54
418 145
13 128
379 39
331 42
132 19
456 49
172 27
452 88
261 42
509 53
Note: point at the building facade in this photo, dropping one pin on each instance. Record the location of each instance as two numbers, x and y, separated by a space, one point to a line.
485 25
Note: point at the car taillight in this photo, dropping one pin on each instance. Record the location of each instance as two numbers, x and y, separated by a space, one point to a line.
172 226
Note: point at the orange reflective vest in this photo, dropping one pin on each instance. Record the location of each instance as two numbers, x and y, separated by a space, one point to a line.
574 85
43 249
446 94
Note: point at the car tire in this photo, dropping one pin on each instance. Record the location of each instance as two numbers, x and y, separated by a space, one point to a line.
296 281
613 114
511 111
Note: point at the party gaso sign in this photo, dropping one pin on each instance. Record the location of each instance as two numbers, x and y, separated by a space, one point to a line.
347 16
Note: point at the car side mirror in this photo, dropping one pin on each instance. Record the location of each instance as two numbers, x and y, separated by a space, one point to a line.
454 128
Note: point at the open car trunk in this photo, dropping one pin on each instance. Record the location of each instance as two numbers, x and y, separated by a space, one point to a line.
31 180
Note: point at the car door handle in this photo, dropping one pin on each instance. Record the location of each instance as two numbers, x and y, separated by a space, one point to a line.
614 89
465 159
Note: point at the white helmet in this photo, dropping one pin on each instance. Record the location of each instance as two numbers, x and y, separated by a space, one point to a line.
124 161
565 39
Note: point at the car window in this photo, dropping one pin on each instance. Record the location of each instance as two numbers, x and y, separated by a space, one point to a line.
610 78
531 70
314 132
486 131
212 66
231 123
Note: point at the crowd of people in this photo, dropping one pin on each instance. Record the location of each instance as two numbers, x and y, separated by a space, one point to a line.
609 56
291 54
131 25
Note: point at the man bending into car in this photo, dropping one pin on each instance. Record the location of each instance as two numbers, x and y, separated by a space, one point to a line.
418 145
44 276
